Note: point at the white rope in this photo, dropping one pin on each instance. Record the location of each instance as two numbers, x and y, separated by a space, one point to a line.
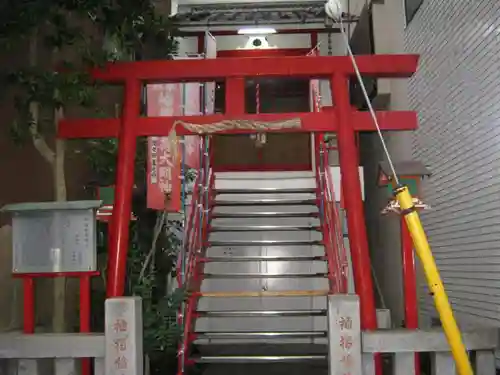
333 9
224 125
221 126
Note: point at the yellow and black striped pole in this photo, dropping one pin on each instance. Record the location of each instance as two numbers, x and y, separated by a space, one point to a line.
436 286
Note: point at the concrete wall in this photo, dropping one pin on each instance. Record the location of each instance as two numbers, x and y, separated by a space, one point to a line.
456 94
384 232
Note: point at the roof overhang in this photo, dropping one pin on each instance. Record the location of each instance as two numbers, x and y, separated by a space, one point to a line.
278 14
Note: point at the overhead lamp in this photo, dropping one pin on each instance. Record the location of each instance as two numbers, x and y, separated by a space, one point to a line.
257 31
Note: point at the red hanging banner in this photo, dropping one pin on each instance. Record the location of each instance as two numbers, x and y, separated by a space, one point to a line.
164 183
164 164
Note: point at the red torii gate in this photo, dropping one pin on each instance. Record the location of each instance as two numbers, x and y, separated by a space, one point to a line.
341 118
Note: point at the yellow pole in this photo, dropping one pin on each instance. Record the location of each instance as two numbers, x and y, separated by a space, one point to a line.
436 286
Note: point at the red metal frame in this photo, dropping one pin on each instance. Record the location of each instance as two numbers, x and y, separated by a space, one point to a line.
122 209
409 284
196 236
29 311
342 119
207 70
29 305
321 122
85 318
331 228
348 157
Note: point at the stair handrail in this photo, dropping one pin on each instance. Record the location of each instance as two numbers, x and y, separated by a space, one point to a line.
190 223
195 238
337 224
330 221
333 277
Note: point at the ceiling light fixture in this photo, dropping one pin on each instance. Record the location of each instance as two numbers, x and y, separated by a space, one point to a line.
257 31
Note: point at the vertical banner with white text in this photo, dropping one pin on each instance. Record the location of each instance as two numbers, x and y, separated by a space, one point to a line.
164 184
175 99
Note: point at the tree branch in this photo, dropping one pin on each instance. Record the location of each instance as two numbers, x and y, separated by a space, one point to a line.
34 109
38 141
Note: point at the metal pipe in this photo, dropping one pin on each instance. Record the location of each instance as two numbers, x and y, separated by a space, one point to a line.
29 305
85 313
351 187
190 256
436 286
184 249
337 228
409 285
122 208
323 213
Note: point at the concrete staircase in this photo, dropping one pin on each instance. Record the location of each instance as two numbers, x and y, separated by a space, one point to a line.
264 279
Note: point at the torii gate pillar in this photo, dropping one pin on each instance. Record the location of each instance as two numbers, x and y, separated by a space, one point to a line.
353 200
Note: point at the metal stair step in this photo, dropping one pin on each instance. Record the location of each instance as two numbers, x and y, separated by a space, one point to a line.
258 359
263 228
265 190
260 335
267 202
230 243
258 258
263 275
264 293
249 215
259 313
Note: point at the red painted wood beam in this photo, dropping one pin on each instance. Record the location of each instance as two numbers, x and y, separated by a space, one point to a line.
390 66
311 122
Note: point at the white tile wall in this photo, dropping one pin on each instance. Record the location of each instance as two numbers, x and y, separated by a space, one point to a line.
457 94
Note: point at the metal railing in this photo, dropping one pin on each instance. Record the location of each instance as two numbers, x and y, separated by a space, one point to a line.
330 221
195 238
